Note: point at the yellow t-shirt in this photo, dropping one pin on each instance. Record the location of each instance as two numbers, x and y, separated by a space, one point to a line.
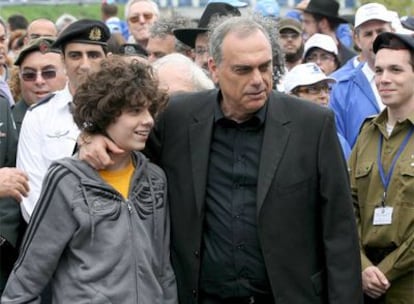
119 179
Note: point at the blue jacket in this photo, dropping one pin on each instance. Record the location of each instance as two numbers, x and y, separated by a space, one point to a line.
352 100
345 70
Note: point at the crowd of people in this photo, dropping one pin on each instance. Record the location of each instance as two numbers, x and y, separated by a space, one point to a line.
243 157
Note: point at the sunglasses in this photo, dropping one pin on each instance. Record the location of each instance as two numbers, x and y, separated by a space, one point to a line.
32 76
136 18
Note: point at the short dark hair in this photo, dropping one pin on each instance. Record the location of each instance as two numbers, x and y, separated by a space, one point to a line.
116 86
17 22
109 9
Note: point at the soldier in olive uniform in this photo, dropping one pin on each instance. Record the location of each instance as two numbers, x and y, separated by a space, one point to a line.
13 184
382 177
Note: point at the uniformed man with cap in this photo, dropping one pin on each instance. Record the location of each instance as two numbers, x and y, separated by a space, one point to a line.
41 72
382 177
48 131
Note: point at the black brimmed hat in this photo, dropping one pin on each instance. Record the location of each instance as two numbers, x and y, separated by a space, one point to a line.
41 44
212 10
84 31
408 23
326 8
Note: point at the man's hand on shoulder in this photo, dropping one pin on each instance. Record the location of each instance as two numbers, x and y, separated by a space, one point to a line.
95 150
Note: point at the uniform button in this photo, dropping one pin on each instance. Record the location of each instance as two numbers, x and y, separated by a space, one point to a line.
196 253
194 291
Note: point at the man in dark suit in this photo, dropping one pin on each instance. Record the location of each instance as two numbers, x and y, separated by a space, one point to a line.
258 187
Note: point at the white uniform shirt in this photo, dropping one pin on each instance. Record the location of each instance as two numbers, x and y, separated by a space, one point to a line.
48 133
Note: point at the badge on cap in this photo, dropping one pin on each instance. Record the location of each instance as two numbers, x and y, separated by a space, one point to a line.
43 47
95 34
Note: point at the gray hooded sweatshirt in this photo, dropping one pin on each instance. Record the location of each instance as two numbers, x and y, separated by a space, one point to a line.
93 245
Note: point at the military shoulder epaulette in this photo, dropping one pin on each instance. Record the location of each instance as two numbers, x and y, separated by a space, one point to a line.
366 121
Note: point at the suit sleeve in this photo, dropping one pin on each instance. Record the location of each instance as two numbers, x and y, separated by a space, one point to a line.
50 229
339 227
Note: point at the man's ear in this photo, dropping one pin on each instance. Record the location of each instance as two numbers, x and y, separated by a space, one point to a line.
213 70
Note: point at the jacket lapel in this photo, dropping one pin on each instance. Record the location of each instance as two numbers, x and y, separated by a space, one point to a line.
200 131
275 138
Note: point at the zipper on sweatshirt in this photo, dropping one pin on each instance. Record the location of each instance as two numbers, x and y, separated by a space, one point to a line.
133 240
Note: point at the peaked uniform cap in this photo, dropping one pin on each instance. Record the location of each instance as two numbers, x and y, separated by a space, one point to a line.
384 39
84 31
212 10
326 8
41 44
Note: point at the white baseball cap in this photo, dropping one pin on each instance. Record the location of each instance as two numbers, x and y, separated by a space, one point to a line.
372 11
321 41
303 75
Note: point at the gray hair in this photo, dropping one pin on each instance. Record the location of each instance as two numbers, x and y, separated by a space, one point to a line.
271 27
166 26
246 25
195 74
242 25
130 2
64 20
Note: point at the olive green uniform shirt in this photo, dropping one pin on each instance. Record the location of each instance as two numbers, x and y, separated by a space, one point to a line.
368 191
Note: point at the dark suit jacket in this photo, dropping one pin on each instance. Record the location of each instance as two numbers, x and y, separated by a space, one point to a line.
306 224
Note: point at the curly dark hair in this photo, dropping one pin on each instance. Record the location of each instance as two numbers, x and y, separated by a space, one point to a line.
117 85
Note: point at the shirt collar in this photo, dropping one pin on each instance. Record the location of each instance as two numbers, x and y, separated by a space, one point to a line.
259 116
381 120
368 72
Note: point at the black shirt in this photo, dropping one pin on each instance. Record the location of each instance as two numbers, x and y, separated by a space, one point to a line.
232 262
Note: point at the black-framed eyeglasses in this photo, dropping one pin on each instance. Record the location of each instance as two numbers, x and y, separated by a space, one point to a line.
32 75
